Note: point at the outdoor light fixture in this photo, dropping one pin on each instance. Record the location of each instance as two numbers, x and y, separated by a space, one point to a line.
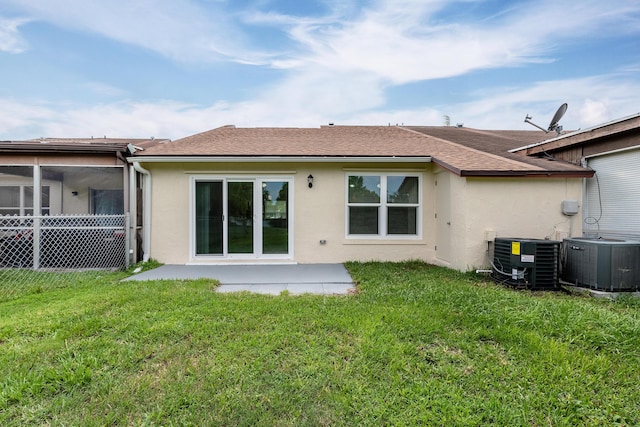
310 180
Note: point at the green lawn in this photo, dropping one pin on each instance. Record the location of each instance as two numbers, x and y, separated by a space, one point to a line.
417 345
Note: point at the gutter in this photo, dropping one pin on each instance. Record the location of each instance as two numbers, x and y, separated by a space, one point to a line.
59 148
527 174
280 159
146 207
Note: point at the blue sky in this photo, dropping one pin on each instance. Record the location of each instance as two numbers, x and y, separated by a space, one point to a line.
172 68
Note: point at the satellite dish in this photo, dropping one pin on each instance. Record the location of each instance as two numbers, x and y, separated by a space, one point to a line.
556 118
554 121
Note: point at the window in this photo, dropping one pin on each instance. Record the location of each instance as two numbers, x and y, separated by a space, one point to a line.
107 202
18 200
383 205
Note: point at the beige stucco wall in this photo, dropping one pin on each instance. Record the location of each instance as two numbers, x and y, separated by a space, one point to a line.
484 208
319 212
479 208
321 215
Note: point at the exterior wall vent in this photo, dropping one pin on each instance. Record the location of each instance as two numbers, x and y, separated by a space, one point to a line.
601 264
526 263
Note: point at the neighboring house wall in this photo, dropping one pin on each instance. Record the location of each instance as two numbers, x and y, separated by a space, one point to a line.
612 196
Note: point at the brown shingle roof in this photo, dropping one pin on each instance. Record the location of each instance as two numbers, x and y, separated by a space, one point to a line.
464 151
486 152
337 141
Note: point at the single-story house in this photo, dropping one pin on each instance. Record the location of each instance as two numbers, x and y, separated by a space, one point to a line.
339 193
611 199
77 178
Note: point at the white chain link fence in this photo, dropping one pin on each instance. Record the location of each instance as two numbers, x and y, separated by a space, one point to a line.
42 252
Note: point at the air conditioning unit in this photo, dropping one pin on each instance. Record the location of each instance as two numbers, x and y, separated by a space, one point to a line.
601 264
526 263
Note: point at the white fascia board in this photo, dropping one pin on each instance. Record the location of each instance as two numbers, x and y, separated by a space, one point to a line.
278 159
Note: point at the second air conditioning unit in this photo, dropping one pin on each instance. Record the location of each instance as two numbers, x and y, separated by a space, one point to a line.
601 264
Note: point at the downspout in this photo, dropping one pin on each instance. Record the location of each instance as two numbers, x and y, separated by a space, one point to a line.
133 214
146 230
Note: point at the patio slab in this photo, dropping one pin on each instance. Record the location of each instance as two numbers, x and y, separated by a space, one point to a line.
322 279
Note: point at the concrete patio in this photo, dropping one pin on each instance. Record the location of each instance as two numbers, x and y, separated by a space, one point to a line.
272 279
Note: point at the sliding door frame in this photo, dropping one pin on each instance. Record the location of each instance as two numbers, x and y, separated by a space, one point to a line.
258 223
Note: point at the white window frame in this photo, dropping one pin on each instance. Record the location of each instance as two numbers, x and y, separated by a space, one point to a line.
225 179
383 205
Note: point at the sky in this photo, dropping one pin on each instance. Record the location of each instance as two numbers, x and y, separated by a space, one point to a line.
173 68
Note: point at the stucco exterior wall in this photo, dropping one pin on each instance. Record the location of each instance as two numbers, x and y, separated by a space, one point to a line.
169 214
321 215
509 207
319 212
479 210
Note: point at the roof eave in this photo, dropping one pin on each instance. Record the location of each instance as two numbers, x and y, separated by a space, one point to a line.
486 173
279 159
526 174
57 148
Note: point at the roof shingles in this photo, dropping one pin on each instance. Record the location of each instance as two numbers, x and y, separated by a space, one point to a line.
461 150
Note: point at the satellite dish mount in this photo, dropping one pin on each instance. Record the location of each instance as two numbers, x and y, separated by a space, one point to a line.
554 125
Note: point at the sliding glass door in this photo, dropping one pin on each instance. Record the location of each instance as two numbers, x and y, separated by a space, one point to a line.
241 216
275 217
238 218
209 218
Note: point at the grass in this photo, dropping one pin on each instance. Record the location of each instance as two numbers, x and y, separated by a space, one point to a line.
417 345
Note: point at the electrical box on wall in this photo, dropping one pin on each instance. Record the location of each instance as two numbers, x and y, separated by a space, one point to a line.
570 207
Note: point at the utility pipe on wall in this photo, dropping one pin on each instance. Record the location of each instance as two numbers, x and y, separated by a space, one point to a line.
146 208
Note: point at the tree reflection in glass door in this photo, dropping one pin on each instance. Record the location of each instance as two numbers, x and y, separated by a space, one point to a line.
275 217
240 211
209 218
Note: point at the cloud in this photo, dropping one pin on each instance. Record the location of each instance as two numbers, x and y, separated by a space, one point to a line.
104 89
595 111
592 101
407 41
182 30
337 66
10 39
400 41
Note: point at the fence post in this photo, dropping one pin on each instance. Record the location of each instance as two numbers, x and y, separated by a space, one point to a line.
36 242
37 211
